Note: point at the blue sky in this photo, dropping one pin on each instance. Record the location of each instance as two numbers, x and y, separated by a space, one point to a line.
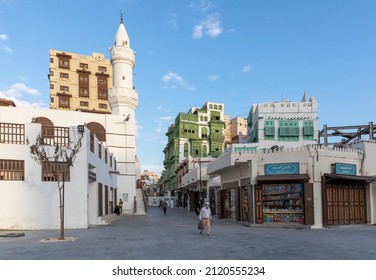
190 52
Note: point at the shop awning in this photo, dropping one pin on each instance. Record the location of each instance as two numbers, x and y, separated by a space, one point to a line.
367 179
282 177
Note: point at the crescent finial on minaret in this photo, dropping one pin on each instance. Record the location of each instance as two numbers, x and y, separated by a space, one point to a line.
121 17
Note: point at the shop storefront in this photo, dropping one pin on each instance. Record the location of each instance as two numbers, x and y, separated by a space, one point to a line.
283 203
234 201
344 199
283 196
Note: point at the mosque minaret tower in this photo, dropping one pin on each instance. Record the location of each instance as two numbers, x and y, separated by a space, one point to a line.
123 99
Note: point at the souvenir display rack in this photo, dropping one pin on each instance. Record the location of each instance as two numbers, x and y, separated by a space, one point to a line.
283 203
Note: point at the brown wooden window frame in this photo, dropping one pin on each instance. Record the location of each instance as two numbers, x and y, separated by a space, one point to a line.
64 102
102 94
54 171
64 88
64 75
12 170
64 60
12 133
55 135
84 103
102 85
64 63
84 92
83 83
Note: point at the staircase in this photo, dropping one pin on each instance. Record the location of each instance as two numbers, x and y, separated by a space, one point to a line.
140 203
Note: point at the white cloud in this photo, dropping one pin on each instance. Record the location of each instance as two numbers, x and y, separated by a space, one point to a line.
3 46
18 91
7 49
213 77
159 108
173 20
202 5
247 68
211 27
167 118
174 81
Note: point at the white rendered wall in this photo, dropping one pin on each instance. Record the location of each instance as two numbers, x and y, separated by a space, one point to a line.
33 204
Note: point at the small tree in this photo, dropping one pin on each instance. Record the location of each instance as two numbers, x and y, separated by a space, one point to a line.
50 154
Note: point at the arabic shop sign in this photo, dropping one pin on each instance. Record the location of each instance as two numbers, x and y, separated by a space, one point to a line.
345 169
282 168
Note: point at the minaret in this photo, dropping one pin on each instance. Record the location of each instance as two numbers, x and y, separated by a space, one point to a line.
123 99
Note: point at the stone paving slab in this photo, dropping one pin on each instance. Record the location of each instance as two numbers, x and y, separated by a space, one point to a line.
175 236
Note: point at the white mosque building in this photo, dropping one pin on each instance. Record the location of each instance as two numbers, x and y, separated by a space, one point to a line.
103 172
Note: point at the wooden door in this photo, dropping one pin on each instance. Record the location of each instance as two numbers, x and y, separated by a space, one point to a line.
258 205
106 200
345 204
308 204
100 199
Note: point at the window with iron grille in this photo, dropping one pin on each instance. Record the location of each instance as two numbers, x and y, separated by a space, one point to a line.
55 171
12 170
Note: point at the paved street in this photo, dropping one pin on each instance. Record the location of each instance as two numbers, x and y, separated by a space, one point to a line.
175 236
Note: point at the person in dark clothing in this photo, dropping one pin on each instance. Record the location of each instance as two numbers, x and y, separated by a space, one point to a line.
164 206
197 209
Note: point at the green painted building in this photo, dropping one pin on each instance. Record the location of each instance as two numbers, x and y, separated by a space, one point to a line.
198 133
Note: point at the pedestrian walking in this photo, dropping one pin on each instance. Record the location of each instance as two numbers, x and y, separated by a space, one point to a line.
164 206
205 217
120 206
